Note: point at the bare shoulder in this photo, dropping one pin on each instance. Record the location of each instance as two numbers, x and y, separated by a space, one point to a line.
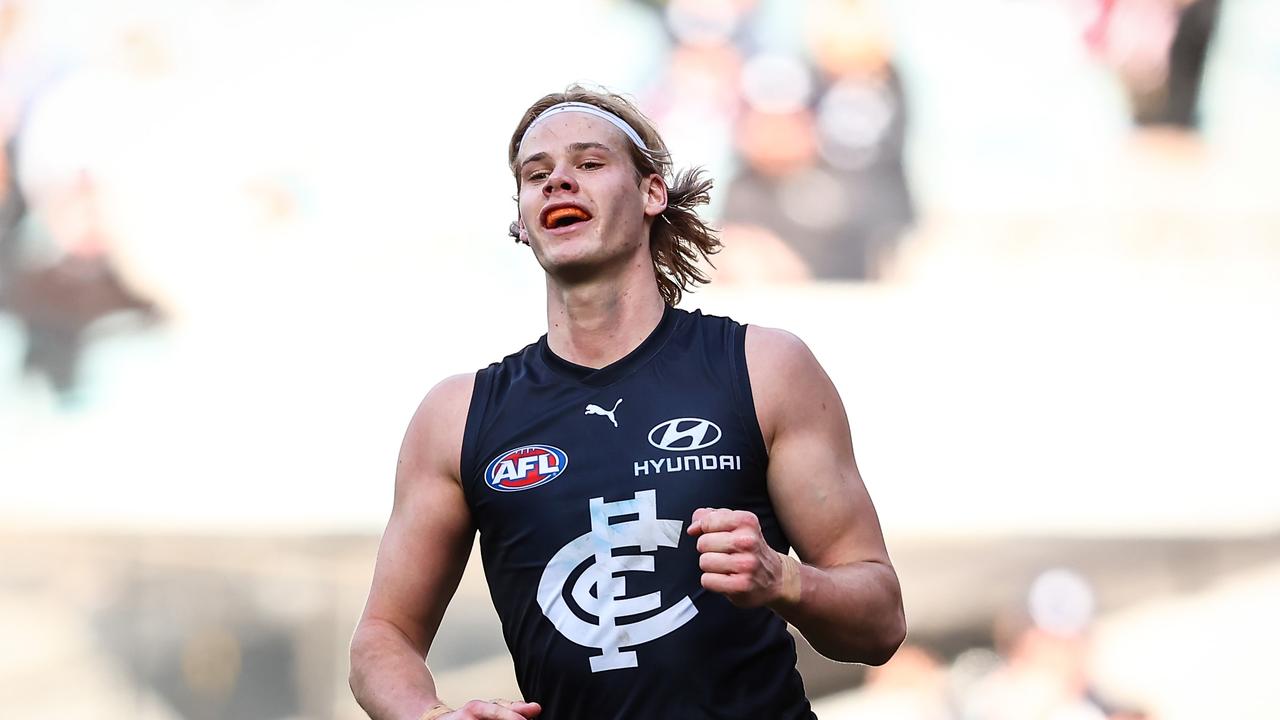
785 376
434 437
777 350
448 397
777 360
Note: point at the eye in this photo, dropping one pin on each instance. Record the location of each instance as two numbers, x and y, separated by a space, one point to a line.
536 175
591 165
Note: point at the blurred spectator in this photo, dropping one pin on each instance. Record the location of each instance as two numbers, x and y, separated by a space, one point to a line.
805 132
831 183
822 145
1159 48
1044 658
56 274
57 302
1188 53
697 105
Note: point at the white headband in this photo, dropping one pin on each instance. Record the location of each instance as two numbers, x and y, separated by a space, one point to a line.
592 110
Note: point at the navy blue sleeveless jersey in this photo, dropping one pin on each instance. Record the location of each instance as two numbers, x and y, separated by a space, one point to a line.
582 483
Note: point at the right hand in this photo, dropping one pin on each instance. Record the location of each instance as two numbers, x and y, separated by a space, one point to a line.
495 710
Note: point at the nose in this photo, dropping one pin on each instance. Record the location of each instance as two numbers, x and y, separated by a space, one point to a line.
559 180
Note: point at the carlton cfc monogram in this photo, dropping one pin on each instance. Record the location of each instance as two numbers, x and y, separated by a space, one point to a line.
609 604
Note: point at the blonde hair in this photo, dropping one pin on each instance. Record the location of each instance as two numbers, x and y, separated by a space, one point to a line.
678 237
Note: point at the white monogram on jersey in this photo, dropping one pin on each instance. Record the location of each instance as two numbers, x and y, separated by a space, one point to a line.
609 603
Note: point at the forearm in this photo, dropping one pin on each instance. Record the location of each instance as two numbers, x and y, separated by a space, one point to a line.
388 676
849 613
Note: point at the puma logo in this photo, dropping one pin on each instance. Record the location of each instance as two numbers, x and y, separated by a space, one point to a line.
597 410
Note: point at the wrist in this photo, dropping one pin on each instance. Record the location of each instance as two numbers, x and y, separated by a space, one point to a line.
435 711
790 586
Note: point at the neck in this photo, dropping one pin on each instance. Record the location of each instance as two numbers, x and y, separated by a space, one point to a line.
597 323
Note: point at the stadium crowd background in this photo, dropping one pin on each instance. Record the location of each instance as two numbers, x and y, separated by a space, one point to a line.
1036 244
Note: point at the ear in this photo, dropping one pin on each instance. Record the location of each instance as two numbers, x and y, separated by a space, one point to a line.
655 199
516 231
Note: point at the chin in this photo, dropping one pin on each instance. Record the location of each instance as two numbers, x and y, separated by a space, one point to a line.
571 267
571 251
578 255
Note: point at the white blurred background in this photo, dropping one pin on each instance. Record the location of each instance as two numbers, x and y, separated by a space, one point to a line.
1036 243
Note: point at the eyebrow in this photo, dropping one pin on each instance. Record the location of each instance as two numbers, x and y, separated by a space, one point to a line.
573 148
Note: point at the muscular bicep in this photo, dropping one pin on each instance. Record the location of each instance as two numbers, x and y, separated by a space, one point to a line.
427 540
813 478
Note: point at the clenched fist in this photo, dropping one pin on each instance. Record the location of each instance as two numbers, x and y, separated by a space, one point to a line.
491 710
737 562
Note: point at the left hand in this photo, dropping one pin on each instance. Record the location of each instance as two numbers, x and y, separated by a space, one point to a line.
737 562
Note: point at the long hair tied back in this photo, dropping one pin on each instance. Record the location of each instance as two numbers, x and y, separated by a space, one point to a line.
678 237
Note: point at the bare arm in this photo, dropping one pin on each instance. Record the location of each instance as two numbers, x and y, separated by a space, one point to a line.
420 561
844 598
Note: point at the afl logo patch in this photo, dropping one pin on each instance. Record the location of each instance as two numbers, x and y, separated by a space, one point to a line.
525 467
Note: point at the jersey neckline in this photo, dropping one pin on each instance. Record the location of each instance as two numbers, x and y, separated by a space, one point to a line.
615 371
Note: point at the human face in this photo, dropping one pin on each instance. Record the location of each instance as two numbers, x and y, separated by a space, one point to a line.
580 201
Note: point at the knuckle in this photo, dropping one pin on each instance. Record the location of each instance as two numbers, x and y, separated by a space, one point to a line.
717 582
744 541
748 564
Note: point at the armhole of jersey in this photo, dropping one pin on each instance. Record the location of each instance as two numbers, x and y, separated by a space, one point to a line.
471 431
741 379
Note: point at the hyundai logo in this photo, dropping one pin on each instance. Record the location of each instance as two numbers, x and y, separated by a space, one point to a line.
683 434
